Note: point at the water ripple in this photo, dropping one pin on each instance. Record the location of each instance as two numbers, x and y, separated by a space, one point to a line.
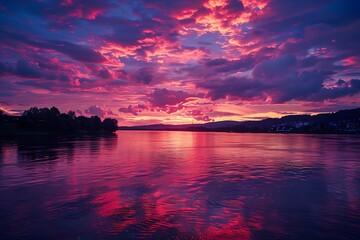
181 185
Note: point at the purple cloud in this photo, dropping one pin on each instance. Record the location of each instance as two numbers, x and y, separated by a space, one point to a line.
168 100
199 115
99 111
121 52
164 97
74 51
134 110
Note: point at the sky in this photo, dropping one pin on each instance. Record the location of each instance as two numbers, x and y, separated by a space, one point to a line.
176 62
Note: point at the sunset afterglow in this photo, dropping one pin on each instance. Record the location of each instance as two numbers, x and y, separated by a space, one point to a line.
152 61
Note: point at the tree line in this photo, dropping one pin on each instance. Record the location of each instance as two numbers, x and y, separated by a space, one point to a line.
45 119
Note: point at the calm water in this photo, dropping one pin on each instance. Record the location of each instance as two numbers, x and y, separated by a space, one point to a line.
181 185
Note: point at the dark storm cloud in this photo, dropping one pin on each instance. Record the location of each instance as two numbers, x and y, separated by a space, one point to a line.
128 33
164 97
133 109
105 74
283 79
99 111
298 87
343 89
34 70
218 67
235 87
216 62
130 109
27 70
314 23
125 32
74 51
198 115
275 67
284 15
59 14
231 11
275 51
173 6
308 86
143 75
222 65
8 89
332 107
168 100
234 7
6 69
48 85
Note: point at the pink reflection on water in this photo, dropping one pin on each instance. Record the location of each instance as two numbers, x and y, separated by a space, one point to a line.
175 198
186 184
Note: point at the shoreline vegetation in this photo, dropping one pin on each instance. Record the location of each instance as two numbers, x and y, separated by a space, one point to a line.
341 122
45 121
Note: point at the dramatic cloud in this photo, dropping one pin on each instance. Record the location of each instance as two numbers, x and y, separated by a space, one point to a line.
280 80
76 52
134 110
307 86
168 100
143 75
199 116
154 60
99 111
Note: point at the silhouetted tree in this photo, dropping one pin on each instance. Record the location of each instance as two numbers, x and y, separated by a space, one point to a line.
95 123
2 114
54 111
71 115
52 120
110 124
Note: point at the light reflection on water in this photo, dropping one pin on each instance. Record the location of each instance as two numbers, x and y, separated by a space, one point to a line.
180 185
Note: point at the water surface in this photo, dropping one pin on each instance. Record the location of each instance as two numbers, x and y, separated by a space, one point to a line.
180 185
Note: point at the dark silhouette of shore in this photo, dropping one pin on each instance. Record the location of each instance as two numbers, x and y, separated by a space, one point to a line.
42 121
50 121
344 121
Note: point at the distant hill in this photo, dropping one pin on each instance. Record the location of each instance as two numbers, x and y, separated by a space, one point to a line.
344 121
